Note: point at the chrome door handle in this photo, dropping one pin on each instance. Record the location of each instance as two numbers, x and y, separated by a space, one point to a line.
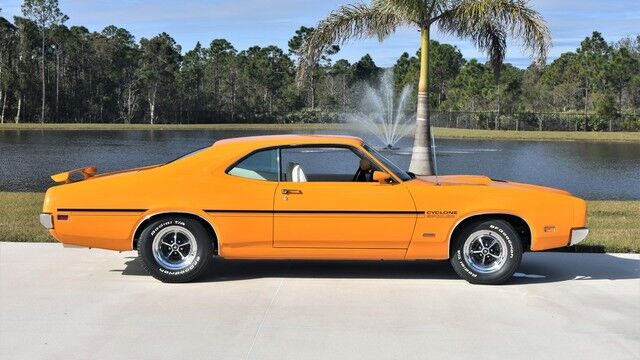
291 191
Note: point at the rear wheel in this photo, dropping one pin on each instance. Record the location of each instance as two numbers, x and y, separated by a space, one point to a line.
175 249
487 252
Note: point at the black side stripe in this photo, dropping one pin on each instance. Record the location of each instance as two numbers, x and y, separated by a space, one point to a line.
317 212
262 211
240 211
102 210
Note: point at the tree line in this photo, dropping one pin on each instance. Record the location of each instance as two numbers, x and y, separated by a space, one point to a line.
54 73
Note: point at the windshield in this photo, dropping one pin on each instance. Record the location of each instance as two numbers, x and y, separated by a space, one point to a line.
397 171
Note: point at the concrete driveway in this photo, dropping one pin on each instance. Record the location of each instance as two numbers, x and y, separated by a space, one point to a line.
60 303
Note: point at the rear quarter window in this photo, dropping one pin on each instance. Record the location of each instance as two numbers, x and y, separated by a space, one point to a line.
261 165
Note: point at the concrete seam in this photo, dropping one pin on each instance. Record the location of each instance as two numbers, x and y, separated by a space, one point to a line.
264 318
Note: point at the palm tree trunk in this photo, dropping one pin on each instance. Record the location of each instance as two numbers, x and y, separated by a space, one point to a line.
421 163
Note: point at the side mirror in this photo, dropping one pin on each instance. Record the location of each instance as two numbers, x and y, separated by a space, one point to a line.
381 177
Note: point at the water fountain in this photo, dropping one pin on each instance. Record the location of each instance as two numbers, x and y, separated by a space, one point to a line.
384 112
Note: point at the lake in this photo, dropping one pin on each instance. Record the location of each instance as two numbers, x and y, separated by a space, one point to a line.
593 170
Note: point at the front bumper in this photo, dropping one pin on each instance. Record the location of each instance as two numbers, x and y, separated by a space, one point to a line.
47 221
577 235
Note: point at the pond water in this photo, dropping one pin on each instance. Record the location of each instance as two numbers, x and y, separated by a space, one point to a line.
593 170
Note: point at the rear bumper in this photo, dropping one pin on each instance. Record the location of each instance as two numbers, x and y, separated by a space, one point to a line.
577 235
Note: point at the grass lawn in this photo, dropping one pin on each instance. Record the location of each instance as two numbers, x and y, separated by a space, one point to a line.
615 225
439 132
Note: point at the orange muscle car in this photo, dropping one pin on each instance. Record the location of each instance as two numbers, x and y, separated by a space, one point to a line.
307 197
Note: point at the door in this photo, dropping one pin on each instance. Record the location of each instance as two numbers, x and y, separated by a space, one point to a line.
325 208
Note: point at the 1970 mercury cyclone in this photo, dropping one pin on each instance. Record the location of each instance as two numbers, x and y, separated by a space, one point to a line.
307 197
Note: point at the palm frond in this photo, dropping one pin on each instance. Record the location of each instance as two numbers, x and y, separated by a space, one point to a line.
349 22
488 23
416 10
493 39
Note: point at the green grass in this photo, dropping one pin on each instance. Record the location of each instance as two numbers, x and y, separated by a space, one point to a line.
537 135
439 132
615 225
19 217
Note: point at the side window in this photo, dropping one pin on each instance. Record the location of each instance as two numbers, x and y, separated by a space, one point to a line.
324 163
262 165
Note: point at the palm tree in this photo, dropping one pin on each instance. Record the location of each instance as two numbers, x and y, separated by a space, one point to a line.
487 23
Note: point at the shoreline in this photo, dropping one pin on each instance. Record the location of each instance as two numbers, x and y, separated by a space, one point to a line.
444 133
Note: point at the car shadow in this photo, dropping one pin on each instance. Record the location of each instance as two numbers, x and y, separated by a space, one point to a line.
536 268
561 266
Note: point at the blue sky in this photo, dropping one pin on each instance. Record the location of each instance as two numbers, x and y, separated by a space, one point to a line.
246 23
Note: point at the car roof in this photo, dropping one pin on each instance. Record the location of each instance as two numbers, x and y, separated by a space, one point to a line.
289 140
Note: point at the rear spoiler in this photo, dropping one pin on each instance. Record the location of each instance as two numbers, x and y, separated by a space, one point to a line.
67 176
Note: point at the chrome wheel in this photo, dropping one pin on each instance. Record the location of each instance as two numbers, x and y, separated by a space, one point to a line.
174 247
485 251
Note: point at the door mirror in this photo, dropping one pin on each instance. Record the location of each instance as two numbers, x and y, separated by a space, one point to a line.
381 177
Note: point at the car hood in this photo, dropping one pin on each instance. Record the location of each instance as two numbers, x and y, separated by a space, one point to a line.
462 180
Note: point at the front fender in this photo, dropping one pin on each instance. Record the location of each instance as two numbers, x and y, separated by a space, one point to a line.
548 214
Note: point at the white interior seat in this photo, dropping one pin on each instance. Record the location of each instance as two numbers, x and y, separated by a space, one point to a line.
295 173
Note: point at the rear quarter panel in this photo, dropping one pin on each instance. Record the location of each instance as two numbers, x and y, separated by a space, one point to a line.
190 185
103 212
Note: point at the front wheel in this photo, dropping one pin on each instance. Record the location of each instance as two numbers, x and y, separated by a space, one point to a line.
487 252
175 249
